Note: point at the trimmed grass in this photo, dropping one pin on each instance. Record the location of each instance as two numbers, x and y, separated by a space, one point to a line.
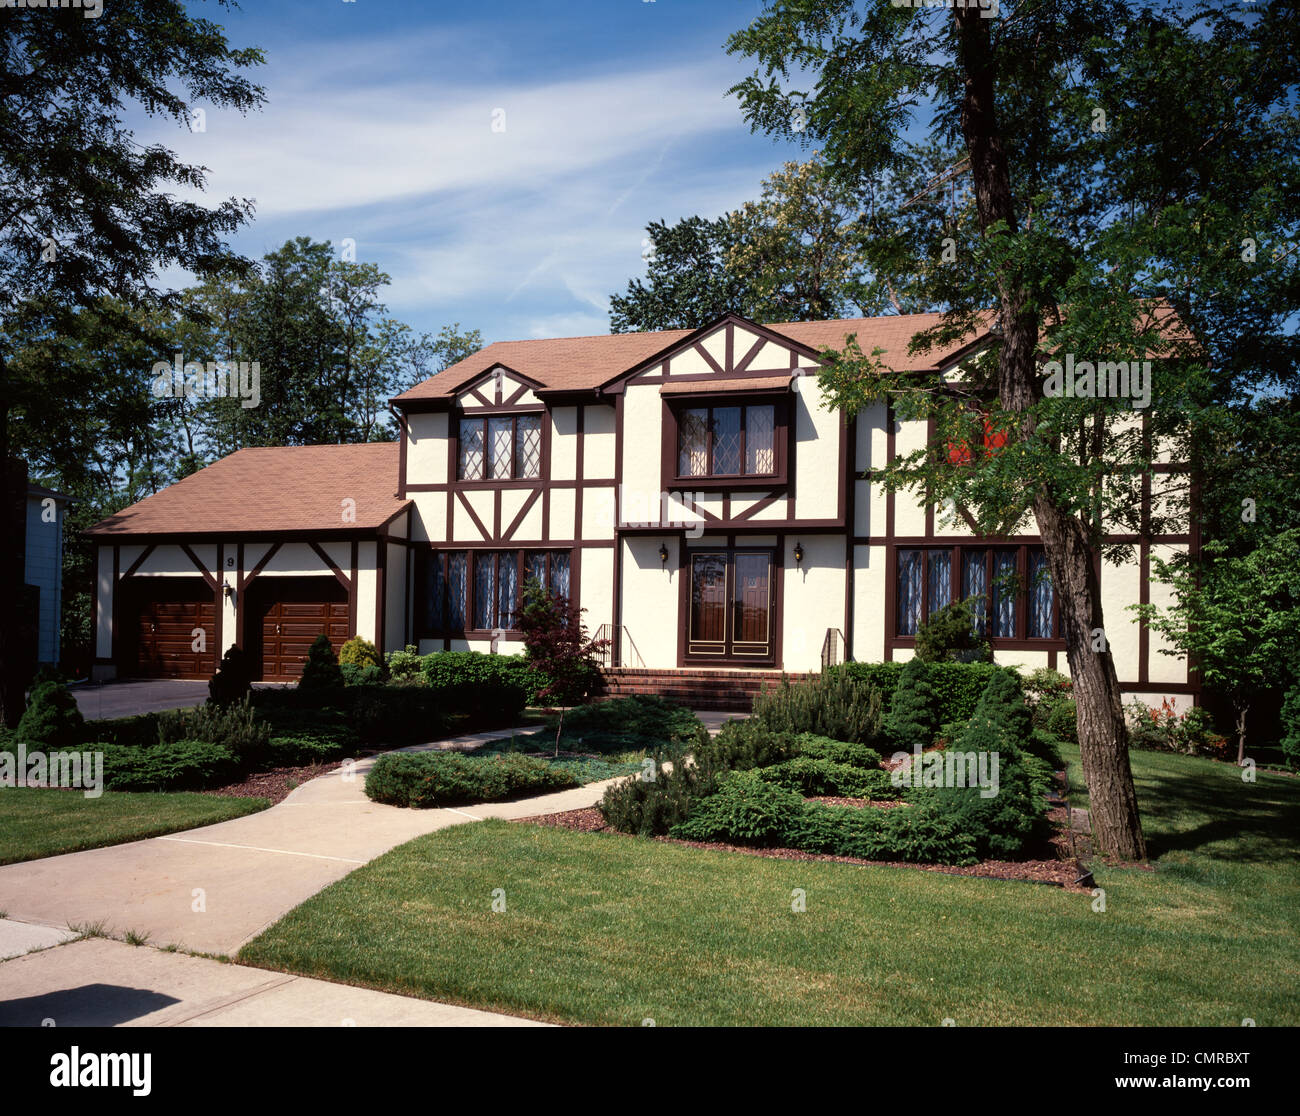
606 929
35 822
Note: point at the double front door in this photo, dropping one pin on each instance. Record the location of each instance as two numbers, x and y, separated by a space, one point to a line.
731 606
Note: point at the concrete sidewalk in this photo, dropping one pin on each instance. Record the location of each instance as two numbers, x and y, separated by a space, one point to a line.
210 890
100 983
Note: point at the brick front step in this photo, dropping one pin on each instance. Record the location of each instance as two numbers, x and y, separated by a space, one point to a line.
730 691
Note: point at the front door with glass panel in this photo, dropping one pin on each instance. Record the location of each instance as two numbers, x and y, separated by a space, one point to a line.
729 614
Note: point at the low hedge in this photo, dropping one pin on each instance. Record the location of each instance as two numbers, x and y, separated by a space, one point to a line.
140 731
174 765
490 688
425 779
357 714
957 686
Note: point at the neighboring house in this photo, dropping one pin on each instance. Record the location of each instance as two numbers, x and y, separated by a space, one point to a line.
43 568
691 490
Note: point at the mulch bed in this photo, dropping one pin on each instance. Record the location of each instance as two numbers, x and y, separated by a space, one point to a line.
275 784
1056 864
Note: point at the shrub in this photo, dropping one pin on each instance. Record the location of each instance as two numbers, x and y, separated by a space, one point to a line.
914 834
406 667
321 671
360 653
741 746
169 765
354 674
564 657
424 779
949 635
234 678
140 731
491 688
956 686
1001 825
912 718
809 775
303 748
236 728
745 808
396 714
1290 741
833 704
650 807
1063 720
1166 730
51 718
837 751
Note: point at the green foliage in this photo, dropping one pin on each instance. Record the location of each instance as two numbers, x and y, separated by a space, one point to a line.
1001 825
812 776
360 652
358 674
743 745
423 779
1164 729
949 635
745 808
1291 726
837 751
956 686
492 689
650 807
1063 721
298 749
236 728
321 671
834 704
397 714
234 677
167 765
51 718
913 715
406 667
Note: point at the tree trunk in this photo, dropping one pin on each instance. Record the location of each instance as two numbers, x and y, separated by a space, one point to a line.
11 569
1242 709
1103 735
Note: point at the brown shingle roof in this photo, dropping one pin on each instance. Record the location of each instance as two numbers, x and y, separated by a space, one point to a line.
707 385
586 363
272 489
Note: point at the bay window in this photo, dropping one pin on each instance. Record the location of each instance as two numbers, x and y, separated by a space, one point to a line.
481 590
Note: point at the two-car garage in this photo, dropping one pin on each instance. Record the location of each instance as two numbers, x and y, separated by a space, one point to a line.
169 625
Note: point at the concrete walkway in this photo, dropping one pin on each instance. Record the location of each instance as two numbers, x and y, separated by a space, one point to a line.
210 890
100 983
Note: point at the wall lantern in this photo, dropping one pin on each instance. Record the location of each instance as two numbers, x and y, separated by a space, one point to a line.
663 555
798 554
227 589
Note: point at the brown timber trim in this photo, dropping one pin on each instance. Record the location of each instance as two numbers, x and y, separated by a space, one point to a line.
338 573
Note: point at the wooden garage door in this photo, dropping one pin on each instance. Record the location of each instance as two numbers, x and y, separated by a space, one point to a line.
173 624
291 613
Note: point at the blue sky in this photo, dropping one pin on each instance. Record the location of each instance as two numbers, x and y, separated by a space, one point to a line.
378 127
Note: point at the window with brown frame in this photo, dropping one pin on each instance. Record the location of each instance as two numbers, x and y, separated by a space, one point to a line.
481 590
1009 589
499 447
725 441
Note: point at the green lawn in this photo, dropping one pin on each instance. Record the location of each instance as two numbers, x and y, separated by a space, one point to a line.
36 822
608 929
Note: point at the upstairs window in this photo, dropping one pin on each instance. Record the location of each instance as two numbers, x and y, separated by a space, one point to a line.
500 447
727 441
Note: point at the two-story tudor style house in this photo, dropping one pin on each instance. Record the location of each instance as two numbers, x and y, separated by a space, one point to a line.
691 489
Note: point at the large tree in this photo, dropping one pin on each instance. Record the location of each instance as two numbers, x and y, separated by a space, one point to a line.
1120 158
86 210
